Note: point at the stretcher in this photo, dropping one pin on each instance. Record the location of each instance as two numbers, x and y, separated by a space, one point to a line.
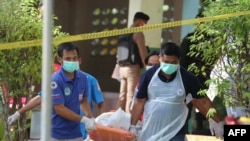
105 133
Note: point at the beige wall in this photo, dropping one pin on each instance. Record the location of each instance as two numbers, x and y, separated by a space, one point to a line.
75 17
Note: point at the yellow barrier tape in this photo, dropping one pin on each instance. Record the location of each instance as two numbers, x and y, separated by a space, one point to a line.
87 36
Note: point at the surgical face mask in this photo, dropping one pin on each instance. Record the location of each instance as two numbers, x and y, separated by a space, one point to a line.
148 67
168 68
70 66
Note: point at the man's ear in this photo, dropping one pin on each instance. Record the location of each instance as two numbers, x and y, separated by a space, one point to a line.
59 59
160 59
80 60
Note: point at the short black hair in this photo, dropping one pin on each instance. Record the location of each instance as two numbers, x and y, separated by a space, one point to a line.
68 46
170 49
141 15
152 53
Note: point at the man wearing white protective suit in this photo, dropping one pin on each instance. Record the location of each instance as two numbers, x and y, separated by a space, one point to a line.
161 96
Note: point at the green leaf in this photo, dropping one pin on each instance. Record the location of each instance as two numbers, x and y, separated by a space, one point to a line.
210 112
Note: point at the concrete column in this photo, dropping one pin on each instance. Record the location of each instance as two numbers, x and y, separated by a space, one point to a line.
154 10
189 13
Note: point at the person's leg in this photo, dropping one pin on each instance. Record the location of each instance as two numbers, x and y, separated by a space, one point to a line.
132 79
179 137
123 88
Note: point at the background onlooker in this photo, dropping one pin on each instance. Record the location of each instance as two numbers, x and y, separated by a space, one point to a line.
152 59
130 73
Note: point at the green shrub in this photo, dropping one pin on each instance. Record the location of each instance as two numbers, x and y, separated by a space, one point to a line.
20 68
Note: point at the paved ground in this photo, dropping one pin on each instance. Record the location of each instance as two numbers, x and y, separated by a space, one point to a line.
111 99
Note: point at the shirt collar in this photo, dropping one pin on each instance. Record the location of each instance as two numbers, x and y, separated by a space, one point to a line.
65 77
164 79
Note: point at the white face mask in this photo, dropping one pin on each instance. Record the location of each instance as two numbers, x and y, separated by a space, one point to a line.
148 67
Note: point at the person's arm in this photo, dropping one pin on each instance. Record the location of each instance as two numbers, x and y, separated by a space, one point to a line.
101 107
30 105
97 96
216 123
201 102
139 39
141 96
63 111
58 102
88 120
35 101
203 105
86 108
137 110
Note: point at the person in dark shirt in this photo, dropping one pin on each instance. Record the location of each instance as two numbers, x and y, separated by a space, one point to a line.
161 97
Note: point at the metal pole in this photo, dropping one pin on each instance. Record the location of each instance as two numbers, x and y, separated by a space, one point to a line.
46 70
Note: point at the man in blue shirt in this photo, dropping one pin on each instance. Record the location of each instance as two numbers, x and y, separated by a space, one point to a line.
94 96
69 92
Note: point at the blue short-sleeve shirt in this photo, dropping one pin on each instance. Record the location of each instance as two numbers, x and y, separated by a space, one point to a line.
69 93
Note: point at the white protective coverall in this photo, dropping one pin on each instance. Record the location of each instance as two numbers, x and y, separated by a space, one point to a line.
165 112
